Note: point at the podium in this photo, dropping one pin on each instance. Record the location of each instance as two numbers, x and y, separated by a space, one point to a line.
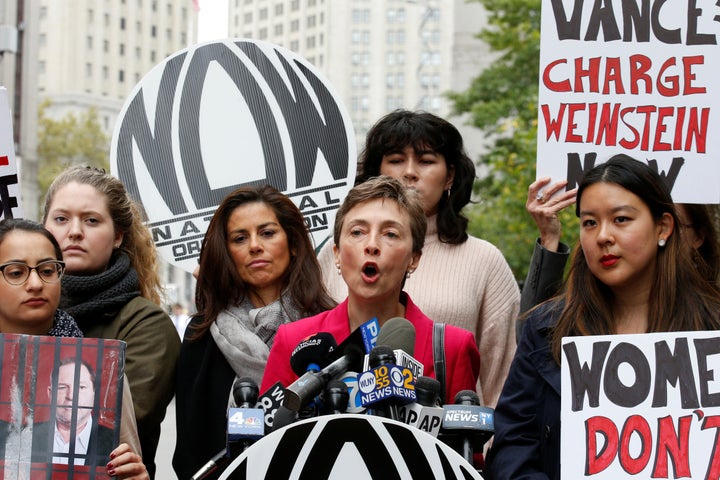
349 447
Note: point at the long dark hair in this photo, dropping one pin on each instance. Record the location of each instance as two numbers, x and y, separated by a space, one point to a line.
219 285
681 299
423 130
707 255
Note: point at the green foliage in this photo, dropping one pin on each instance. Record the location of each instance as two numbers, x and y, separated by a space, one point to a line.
71 140
502 101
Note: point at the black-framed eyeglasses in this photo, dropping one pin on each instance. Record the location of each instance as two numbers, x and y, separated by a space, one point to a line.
17 273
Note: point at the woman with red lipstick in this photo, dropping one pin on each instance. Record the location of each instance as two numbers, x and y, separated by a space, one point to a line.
379 234
463 280
631 273
112 288
258 271
31 265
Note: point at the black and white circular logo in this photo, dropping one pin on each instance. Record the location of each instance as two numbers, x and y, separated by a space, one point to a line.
225 114
350 447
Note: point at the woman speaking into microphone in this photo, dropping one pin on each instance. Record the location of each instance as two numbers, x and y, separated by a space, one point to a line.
379 233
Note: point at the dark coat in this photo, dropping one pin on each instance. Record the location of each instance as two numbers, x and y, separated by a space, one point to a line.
101 443
527 416
202 389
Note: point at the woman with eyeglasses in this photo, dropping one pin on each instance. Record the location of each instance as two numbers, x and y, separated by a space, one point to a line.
31 264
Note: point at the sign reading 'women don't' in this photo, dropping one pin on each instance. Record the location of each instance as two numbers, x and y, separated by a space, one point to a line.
226 114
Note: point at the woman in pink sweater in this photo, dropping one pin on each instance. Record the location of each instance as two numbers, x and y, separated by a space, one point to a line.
462 280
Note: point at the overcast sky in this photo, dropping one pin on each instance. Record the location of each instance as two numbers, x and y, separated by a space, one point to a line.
212 21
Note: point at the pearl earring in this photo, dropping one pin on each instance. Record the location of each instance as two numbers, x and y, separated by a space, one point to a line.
337 265
408 273
661 242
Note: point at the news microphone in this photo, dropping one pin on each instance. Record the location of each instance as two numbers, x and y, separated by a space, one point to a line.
312 353
399 333
467 425
425 414
270 401
245 392
364 338
245 424
336 397
385 385
303 390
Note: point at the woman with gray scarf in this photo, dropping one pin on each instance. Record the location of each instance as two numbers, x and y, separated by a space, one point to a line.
258 270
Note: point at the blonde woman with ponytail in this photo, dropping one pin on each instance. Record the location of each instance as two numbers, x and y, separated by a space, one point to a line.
112 289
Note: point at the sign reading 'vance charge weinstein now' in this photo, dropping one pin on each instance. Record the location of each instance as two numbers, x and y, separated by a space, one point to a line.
631 76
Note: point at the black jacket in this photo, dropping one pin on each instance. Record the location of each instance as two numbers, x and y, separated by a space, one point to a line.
202 389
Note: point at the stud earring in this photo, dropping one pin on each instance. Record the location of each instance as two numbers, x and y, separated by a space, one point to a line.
661 242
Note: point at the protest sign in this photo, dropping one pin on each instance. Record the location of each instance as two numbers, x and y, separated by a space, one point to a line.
9 184
72 386
225 114
635 77
641 406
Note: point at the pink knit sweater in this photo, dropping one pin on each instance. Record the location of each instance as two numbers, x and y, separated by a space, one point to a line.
468 285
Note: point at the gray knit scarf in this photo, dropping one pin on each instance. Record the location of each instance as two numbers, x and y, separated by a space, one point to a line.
244 334
97 298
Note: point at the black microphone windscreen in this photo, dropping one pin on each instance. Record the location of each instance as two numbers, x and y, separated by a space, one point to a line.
467 397
337 395
381 355
245 392
313 349
399 334
427 390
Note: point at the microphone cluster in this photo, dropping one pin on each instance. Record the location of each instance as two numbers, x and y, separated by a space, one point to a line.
370 372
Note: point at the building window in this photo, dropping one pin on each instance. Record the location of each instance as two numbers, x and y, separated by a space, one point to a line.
105 73
247 18
153 56
88 69
122 23
295 45
138 53
263 13
89 42
295 5
278 30
310 42
106 46
121 76
91 14
311 21
122 49
262 33
168 34
279 9
153 31
138 27
295 25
